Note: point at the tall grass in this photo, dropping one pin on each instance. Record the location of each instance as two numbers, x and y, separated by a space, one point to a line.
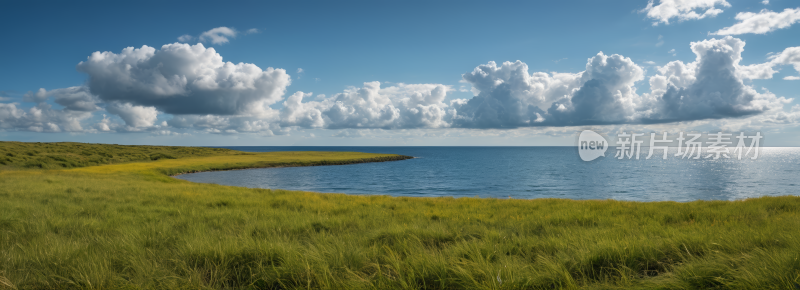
130 226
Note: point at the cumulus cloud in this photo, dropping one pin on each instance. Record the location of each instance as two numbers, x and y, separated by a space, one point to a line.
791 78
219 35
510 97
133 115
183 79
393 107
187 81
762 22
683 10
711 87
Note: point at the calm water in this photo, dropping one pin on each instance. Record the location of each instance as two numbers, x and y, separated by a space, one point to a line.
528 172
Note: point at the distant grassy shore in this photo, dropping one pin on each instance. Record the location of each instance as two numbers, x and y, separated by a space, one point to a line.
83 216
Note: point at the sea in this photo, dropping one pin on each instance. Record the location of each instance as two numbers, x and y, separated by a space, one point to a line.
530 173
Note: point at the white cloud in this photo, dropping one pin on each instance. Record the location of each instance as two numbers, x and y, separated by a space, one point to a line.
41 118
789 56
133 115
183 79
711 87
759 71
762 22
252 30
672 51
765 2
660 41
78 106
683 10
185 38
105 125
791 78
218 35
708 88
204 93
393 107
508 96
297 113
268 124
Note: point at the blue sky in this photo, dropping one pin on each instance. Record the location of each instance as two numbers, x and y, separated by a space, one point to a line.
424 55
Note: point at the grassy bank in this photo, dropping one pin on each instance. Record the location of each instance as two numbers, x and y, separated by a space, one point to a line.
131 226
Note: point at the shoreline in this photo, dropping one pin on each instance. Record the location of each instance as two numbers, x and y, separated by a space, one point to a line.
319 163
134 225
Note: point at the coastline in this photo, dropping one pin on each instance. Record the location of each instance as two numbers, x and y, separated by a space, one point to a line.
134 226
319 163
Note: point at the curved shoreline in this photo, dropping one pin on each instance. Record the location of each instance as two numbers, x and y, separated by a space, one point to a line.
294 164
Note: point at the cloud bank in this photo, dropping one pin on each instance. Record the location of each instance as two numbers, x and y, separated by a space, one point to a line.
192 88
711 87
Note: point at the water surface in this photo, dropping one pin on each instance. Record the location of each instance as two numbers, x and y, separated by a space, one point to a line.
528 172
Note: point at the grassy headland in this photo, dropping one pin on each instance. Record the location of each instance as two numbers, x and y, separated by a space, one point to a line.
131 226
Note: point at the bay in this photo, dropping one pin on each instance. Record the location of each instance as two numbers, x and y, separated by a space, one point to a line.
528 173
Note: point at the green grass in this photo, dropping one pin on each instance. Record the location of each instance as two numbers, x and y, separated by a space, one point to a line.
71 155
130 226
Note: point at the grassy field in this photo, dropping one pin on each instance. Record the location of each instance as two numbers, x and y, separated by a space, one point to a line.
131 226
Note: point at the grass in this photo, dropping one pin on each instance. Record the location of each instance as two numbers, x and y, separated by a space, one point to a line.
71 155
130 226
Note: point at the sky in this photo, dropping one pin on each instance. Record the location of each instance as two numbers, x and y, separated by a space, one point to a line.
381 73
